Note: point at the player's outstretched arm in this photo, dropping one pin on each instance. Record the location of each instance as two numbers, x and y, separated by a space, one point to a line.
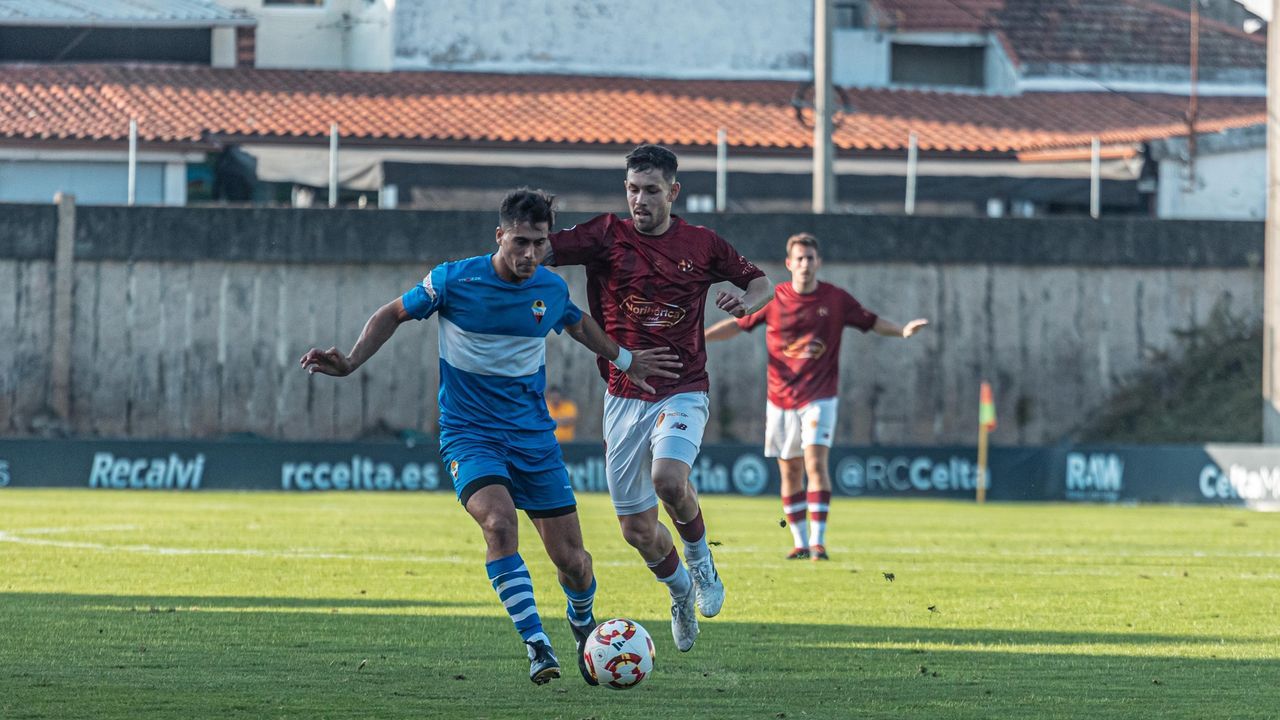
724 330
638 366
380 327
889 328
758 294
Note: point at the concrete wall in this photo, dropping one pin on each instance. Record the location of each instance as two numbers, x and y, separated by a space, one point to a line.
1054 341
370 45
664 38
336 35
223 53
860 57
189 322
1227 185
1002 74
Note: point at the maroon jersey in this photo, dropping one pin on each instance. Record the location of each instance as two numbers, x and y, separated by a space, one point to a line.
650 291
803 338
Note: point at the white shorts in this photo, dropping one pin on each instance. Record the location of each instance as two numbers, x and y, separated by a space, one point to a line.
670 428
788 432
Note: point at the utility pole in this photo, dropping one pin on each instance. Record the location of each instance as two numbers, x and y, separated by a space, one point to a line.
913 161
333 165
1271 253
824 181
131 189
1095 178
722 170
1193 104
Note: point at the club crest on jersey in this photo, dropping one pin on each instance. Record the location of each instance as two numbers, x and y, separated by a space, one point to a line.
651 313
823 312
539 309
685 265
453 469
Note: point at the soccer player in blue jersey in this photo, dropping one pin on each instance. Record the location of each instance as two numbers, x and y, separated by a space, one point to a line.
496 436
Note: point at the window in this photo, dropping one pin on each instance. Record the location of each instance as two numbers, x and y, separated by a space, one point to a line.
700 203
938 65
849 14
36 43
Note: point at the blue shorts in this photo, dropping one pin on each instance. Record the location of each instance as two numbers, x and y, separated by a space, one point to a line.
530 465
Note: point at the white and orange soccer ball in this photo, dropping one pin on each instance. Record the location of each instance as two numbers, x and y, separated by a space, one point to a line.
619 653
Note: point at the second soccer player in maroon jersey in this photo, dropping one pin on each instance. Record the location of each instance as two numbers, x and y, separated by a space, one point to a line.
647 283
805 323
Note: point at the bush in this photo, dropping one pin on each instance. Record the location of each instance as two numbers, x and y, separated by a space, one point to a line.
1207 388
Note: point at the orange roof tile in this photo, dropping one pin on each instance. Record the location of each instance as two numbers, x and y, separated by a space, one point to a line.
199 106
955 15
1127 32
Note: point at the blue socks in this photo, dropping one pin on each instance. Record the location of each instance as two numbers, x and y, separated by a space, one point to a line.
579 609
510 578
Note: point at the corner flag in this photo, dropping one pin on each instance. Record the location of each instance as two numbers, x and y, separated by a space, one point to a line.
986 408
986 423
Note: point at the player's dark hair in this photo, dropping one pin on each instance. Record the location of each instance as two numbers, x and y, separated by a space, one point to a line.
805 239
650 157
526 205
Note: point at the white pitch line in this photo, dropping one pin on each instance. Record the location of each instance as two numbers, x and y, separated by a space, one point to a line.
81 528
862 550
10 537
861 554
20 539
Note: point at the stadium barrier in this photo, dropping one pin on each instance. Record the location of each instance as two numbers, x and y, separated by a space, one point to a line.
204 312
1240 475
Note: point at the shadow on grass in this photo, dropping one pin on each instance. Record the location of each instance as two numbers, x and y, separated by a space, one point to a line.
817 634
68 656
227 602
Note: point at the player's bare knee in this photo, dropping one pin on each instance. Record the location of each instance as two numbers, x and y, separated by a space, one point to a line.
818 477
500 533
640 535
637 537
819 482
671 489
576 566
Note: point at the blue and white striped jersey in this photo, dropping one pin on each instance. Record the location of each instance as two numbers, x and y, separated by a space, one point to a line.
493 346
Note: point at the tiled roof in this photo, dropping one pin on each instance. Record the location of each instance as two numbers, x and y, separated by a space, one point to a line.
1139 32
927 15
80 13
193 106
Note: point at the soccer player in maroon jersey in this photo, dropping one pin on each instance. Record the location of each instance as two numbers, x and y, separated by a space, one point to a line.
647 283
805 323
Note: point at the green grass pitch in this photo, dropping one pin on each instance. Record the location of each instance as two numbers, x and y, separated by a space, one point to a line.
263 605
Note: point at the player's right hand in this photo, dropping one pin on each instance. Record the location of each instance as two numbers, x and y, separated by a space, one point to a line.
652 362
910 328
731 303
326 362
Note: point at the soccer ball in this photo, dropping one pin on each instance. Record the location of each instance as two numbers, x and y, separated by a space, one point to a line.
619 653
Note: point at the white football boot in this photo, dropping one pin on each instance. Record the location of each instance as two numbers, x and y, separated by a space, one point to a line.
708 586
684 621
